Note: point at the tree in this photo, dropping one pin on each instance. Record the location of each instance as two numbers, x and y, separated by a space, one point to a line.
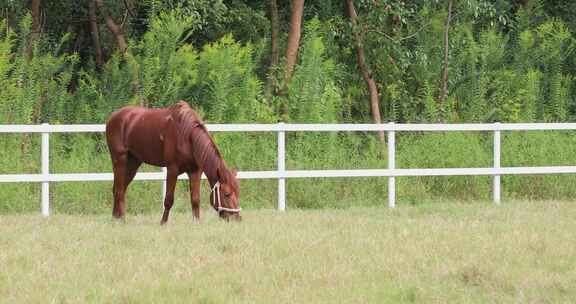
363 66
95 33
275 50
293 38
113 27
36 27
444 80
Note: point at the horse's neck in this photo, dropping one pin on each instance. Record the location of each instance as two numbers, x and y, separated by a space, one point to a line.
212 163
211 175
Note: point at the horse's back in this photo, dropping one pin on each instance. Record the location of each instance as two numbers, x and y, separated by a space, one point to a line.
132 127
119 117
119 120
151 135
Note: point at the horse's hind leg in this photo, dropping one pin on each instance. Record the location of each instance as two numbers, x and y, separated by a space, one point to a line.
128 166
120 163
171 178
132 166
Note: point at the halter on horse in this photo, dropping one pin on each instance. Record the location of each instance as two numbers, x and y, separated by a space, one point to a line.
216 192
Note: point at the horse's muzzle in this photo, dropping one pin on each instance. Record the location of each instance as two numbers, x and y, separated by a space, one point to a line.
230 216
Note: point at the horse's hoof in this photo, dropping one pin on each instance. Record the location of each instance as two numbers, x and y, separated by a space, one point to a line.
119 219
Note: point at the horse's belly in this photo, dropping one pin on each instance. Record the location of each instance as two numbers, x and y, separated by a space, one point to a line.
147 143
152 154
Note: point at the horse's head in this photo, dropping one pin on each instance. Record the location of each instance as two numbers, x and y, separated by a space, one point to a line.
225 194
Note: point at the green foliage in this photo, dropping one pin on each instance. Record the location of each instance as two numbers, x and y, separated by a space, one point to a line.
156 72
312 93
33 90
542 148
529 95
229 91
108 91
164 64
506 63
7 111
444 150
431 107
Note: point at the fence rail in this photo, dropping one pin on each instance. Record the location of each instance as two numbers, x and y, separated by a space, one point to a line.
45 177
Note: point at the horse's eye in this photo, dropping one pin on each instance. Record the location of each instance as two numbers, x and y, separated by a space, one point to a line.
227 194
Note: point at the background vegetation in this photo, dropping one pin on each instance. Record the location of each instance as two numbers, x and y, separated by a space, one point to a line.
431 61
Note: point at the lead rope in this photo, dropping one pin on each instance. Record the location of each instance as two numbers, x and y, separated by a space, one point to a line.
216 191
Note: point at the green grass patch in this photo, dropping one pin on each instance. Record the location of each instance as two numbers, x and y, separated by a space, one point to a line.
77 153
429 253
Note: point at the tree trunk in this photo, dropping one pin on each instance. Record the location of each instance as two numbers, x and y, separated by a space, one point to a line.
95 34
444 82
113 28
7 20
34 36
366 74
275 56
274 19
293 38
36 28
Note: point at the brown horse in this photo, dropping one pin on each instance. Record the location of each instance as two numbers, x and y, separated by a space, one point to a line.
175 138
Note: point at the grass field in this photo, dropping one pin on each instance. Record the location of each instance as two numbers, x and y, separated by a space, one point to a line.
520 252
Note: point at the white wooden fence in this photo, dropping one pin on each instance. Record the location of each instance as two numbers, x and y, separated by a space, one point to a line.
45 177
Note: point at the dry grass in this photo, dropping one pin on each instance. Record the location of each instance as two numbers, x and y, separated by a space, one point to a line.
522 252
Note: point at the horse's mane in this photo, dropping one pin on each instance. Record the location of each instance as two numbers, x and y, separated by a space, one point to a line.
186 119
191 127
188 122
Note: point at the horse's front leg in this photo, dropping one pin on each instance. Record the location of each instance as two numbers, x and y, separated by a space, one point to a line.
194 178
171 178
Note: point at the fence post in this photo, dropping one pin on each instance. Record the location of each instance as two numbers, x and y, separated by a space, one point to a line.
496 182
281 168
45 163
391 166
165 171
